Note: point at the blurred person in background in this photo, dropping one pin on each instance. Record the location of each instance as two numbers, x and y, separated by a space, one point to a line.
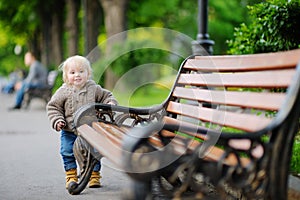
36 78
14 78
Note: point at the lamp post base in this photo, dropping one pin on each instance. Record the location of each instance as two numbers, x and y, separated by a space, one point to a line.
202 47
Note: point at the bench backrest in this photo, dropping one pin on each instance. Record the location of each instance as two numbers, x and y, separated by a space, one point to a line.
232 93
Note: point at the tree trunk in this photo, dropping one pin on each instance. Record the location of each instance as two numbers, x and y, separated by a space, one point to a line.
34 43
51 15
44 48
91 25
57 35
115 22
72 26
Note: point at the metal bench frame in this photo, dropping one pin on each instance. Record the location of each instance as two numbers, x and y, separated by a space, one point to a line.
250 164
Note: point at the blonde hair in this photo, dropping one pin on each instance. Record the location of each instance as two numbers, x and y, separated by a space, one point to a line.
77 61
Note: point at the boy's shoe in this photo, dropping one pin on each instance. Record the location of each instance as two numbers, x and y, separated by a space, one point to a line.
95 180
71 176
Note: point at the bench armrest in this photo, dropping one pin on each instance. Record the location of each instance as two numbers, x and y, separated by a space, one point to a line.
115 114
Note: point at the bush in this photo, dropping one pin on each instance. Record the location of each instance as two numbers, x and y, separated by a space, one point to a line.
274 27
295 160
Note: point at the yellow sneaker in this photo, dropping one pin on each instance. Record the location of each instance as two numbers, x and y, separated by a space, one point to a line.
95 180
71 176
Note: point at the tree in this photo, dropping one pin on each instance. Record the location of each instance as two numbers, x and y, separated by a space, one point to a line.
182 16
19 27
54 28
57 29
91 21
115 22
72 26
39 22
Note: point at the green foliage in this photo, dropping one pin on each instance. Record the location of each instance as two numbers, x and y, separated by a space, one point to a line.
17 24
137 56
10 63
134 53
8 60
140 97
223 17
20 17
20 21
58 82
274 27
182 16
295 160
175 14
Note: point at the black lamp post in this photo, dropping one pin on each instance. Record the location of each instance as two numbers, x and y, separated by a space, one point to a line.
203 45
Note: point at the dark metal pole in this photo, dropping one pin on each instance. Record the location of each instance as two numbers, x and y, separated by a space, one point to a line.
203 45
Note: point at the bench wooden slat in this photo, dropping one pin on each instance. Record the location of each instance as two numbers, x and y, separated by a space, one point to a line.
122 128
229 65
170 120
110 132
101 143
234 120
264 79
268 101
116 134
244 62
213 153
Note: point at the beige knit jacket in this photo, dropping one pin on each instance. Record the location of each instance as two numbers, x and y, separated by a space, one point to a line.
67 100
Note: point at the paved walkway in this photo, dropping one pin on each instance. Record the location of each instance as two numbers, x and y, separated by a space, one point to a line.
30 164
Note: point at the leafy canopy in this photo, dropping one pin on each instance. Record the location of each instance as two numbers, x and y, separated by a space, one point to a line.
274 27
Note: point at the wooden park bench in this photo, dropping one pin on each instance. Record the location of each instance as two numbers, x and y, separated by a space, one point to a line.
43 93
225 131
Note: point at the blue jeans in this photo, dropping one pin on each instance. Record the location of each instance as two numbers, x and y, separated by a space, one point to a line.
67 140
21 91
9 88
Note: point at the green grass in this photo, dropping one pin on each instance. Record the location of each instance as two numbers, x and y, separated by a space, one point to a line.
144 96
295 160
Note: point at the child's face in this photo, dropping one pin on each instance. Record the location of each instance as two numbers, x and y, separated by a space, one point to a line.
77 76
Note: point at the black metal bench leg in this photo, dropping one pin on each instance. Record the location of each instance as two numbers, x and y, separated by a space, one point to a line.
86 161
